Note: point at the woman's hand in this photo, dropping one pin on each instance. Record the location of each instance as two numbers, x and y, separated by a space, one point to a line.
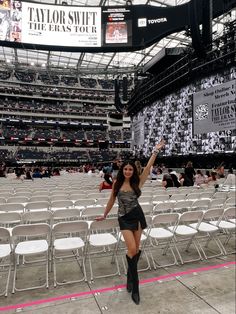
160 145
100 218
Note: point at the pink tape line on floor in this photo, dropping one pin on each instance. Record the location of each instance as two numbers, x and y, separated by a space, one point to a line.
102 290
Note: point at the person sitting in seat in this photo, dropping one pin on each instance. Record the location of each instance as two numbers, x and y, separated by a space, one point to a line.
107 183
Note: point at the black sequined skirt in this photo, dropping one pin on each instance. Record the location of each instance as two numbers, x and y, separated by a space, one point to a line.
131 220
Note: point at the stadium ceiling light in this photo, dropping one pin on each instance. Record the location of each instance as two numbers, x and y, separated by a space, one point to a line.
32 63
8 60
43 65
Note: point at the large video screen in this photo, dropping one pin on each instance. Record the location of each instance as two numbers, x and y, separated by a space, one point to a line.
117 26
43 24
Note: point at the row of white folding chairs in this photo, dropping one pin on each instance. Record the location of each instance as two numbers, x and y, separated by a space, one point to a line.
170 231
76 239
51 216
44 197
147 205
54 191
45 205
174 229
106 195
189 205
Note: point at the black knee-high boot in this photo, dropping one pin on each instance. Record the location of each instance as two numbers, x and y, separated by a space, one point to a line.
132 264
129 284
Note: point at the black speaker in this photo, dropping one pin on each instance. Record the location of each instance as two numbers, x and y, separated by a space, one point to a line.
207 23
117 95
125 88
195 8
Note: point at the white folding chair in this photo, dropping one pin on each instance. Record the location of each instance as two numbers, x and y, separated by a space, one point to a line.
23 194
160 198
19 208
90 213
178 197
228 227
163 207
5 258
182 206
82 203
2 200
18 199
39 199
206 195
63 204
161 237
102 201
184 234
54 198
77 196
37 216
103 235
145 200
209 232
220 195
68 214
10 219
37 206
31 240
193 196
217 202
202 204
69 242
94 195
231 201
229 214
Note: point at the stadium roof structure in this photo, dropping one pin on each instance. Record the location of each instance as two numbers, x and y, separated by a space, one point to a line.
102 64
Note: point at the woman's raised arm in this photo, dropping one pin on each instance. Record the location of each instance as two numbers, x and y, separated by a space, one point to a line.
150 163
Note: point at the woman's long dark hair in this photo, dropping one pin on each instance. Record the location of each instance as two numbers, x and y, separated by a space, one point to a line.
134 180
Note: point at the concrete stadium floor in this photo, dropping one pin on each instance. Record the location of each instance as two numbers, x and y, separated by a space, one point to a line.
201 288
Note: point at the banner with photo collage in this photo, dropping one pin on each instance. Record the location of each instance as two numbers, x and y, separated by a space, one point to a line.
214 109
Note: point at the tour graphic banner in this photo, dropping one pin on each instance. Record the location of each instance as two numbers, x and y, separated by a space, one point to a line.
138 131
44 24
214 109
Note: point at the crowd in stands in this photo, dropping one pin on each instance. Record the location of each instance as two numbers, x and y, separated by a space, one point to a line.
63 154
59 133
58 92
115 135
9 105
55 79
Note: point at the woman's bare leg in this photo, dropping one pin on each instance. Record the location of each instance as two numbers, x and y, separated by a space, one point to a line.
130 242
137 237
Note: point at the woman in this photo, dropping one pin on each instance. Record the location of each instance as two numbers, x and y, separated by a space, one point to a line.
231 179
167 181
213 178
175 180
130 215
139 167
107 183
199 178
189 172
184 180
